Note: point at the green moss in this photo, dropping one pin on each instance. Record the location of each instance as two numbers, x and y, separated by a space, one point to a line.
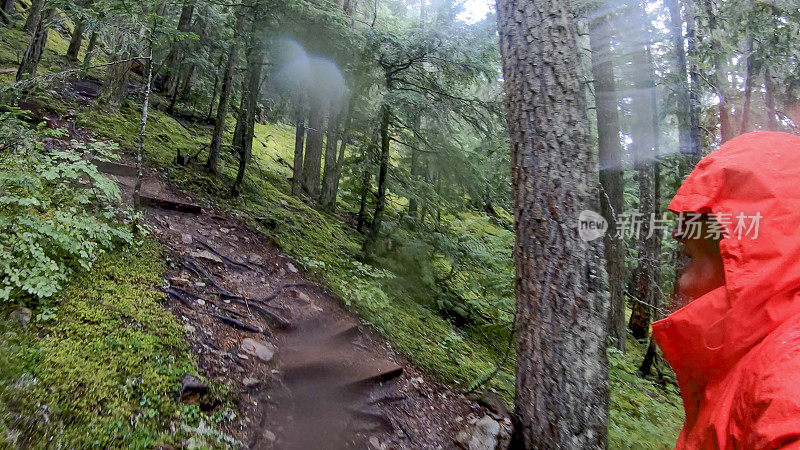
107 366
642 414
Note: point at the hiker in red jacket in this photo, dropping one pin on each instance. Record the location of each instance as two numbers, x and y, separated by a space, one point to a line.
735 347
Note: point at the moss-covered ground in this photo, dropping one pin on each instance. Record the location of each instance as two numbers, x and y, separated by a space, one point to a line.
102 364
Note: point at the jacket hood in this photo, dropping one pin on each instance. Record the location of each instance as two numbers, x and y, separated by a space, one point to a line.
756 175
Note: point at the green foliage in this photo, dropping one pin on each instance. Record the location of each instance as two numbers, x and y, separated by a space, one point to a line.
107 373
643 415
57 212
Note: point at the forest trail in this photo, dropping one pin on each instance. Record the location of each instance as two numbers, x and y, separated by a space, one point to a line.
309 374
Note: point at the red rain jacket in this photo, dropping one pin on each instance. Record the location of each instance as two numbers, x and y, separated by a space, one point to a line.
736 350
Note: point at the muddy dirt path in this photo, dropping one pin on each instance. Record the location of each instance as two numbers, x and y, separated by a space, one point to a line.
308 374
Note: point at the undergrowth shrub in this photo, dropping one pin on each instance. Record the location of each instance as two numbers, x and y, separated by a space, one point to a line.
57 212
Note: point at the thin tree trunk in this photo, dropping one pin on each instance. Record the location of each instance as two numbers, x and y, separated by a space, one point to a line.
365 181
142 129
561 395
611 181
225 95
694 83
682 106
34 14
87 59
329 175
769 101
75 42
720 79
216 88
312 160
340 160
243 141
33 54
299 138
380 201
175 55
748 86
644 136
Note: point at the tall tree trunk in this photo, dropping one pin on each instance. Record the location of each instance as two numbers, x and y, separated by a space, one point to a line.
9 6
720 75
219 67
75 42
769 101
87 59
562 310
611 182
33 54
748 86
365 181
225 94
644 135
329 174
312 160
175 55
299 139
682 106
340 160
34 14
383 171
243 140
143 128
694 82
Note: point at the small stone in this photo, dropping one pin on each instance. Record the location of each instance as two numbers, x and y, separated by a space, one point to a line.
190 385
189 328
249 382
201 302
21 315
225 230
199 284
291 267
205 254
269 435
283 203
255 258
375 442
257 349
281 272
245 357
186 238
203 232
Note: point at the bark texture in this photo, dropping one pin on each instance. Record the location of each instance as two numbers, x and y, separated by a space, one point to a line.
243 137
34 14
299 140
33 54
561 398
611 183
75 41
312 160
330 175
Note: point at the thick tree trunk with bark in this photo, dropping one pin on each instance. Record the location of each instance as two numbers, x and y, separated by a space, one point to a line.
561 396
644 135
719 78
611 182
75 41
34 14
312 160
748 86
243 139
33 54
299 140
225 95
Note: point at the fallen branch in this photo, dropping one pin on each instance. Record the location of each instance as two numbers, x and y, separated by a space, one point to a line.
236 323
224 258
200 272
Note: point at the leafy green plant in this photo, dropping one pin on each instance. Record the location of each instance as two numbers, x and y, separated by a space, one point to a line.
57 212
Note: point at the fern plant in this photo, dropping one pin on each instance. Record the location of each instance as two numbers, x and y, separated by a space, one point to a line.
57 212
